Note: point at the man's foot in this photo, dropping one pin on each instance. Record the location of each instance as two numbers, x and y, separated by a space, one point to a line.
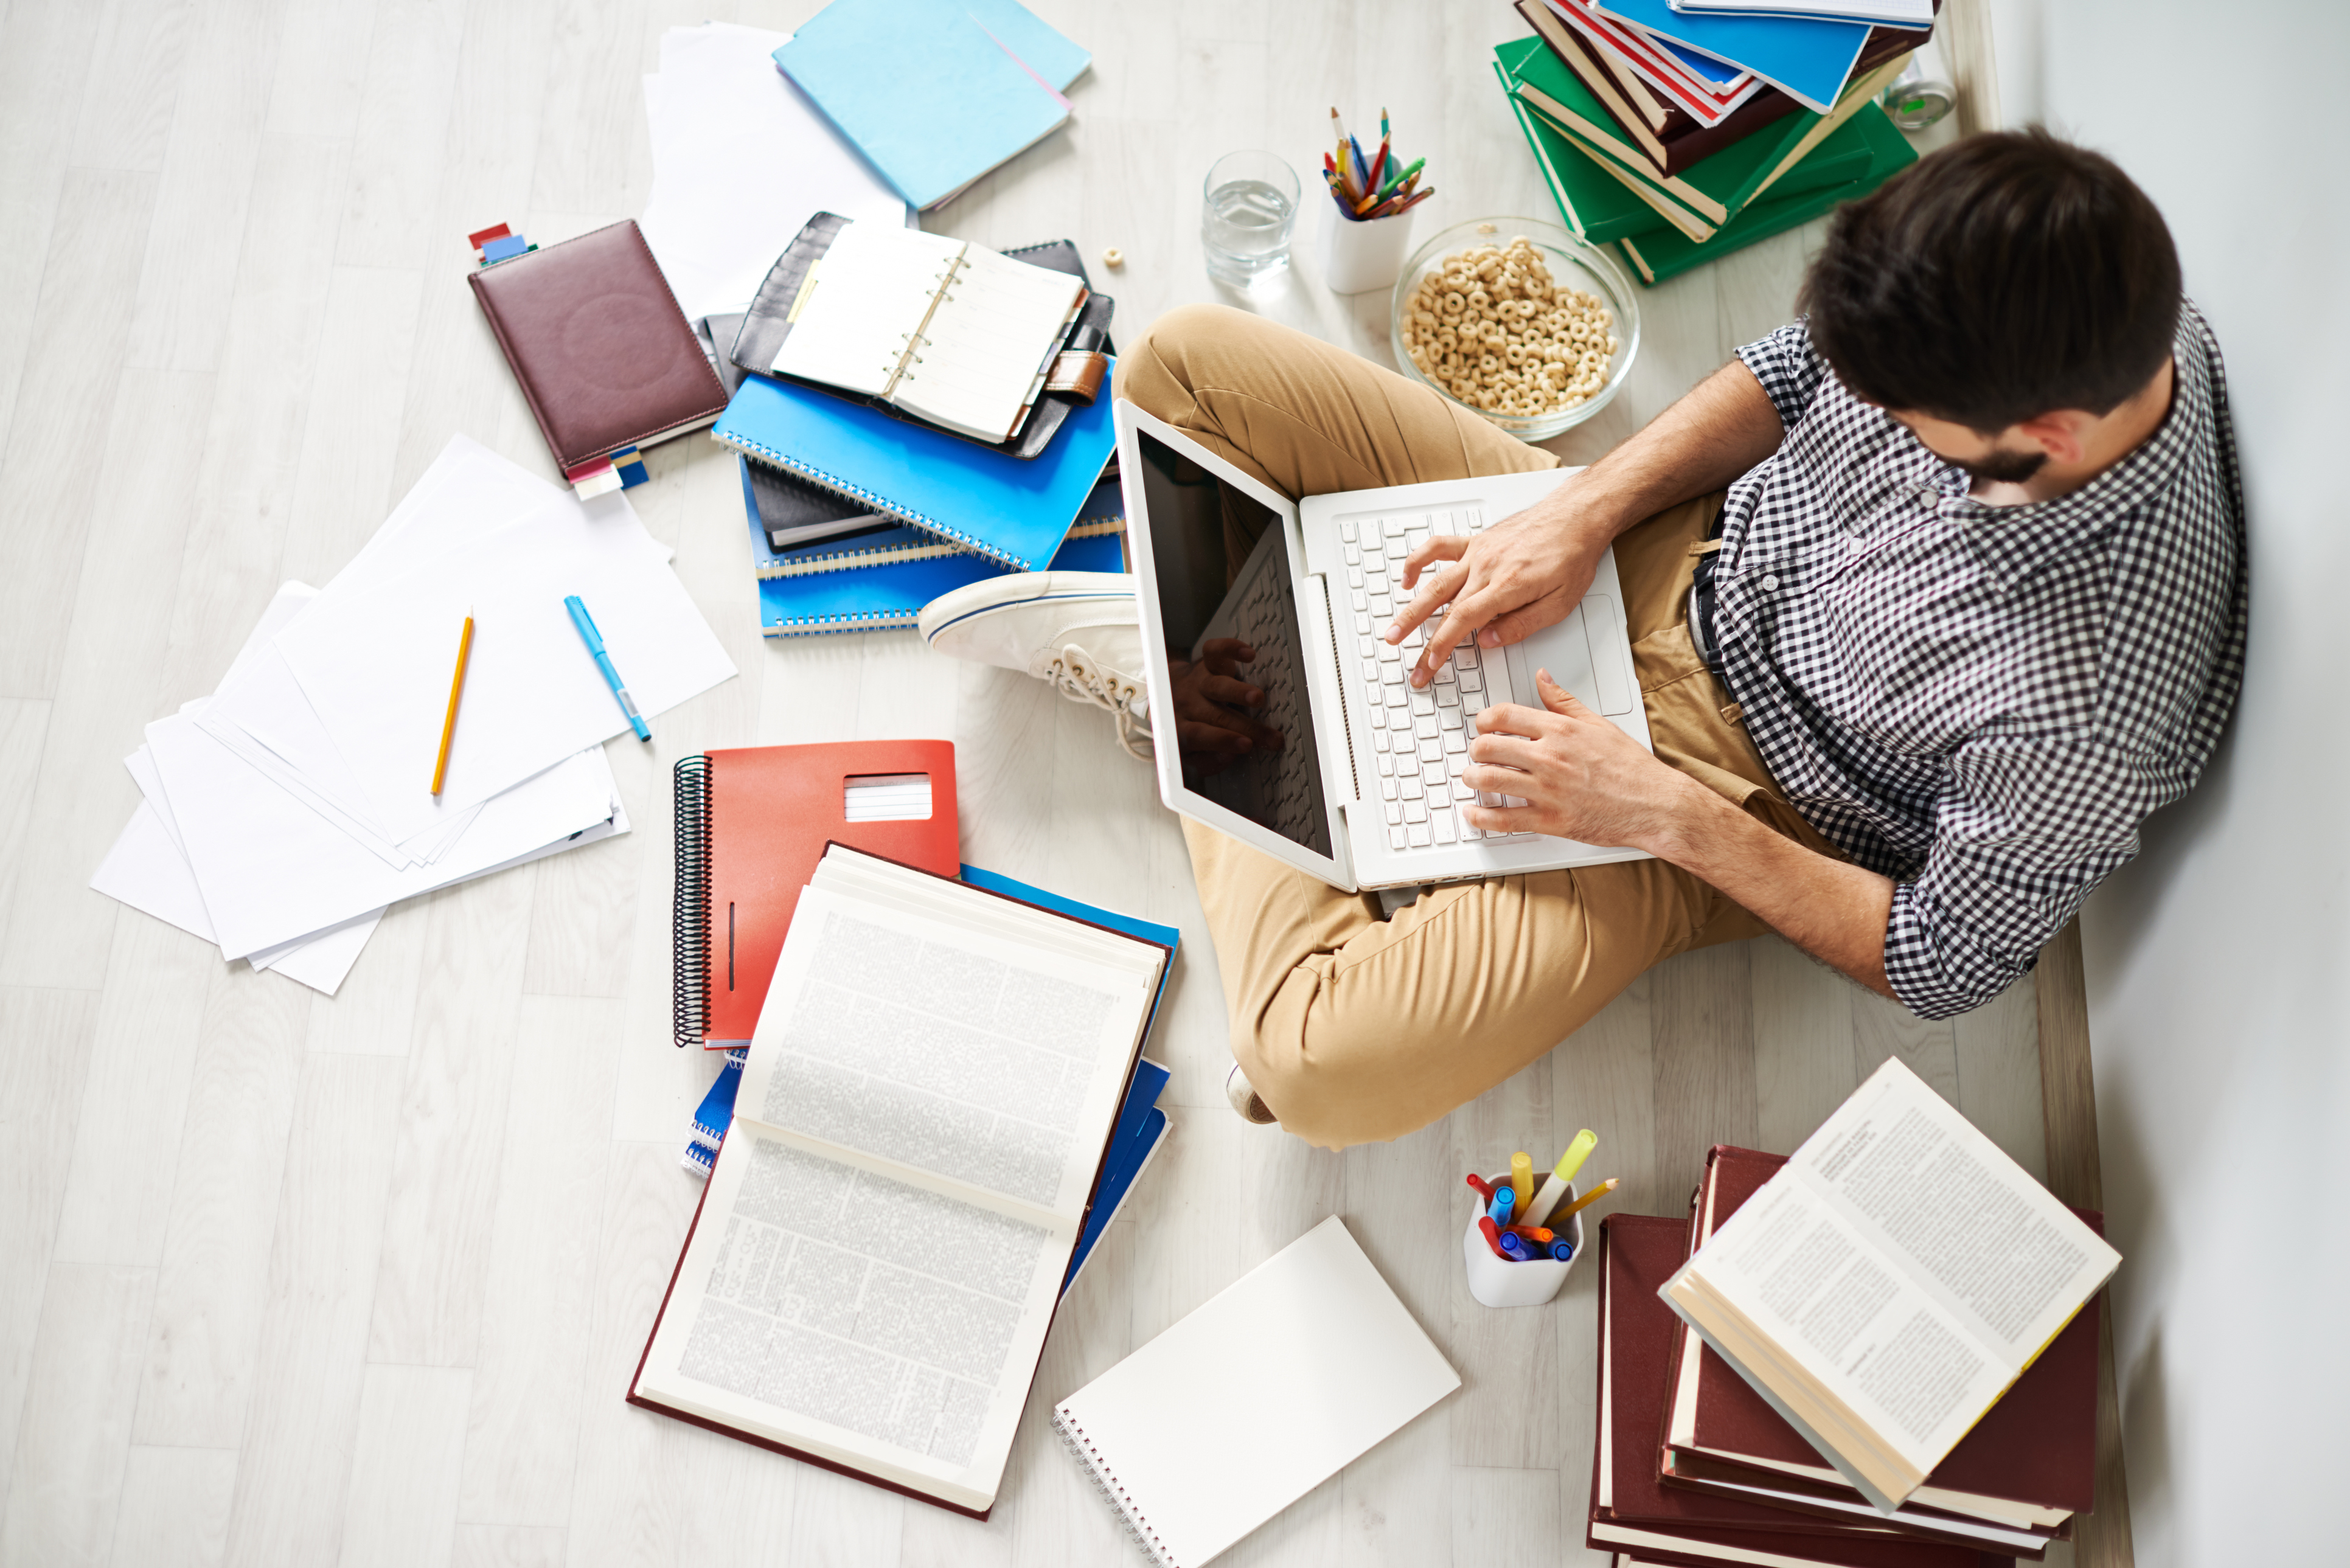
1244 1100
1081 631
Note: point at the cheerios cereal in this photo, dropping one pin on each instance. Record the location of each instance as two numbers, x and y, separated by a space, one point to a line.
1491 327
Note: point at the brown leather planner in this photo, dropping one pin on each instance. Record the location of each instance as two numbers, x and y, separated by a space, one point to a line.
2037 1446
604 355
1639 1516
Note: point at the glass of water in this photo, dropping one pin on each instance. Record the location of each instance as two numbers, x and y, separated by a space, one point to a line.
1251 205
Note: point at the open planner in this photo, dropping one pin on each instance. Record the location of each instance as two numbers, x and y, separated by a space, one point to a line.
921 1120
945 329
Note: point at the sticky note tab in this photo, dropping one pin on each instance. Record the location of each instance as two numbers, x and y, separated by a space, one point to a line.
481 237
502 248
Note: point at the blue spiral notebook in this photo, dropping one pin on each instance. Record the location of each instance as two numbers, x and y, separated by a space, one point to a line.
1141 1126
1104 512
1012 512
891 594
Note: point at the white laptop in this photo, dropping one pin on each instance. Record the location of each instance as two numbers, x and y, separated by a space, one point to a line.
1366 790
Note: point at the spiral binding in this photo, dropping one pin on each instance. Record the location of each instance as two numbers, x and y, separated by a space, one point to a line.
690 904
1097 1471
775 459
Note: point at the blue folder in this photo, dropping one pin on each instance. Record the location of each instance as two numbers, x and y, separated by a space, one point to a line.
967 494
1809 60
931 91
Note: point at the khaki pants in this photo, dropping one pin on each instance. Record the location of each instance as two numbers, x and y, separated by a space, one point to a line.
1352 1027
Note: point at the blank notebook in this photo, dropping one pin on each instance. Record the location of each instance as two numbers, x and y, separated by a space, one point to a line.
1256 1398
943 328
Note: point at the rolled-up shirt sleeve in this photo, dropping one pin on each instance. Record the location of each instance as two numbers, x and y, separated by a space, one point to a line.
1789 368
2024 831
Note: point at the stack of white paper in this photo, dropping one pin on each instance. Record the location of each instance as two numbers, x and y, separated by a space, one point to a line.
281 815
741 161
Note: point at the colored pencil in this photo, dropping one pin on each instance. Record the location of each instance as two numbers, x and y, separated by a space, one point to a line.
456 688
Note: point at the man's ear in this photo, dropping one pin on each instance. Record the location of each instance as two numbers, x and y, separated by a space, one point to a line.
2060 432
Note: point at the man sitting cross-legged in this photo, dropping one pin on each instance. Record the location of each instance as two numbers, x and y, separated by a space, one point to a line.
1971 606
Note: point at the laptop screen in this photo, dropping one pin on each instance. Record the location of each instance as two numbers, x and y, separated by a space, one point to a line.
1223 580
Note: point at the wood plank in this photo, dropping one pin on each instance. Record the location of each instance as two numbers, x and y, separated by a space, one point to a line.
522 1436
443 1201
174 1509
401 1508
342 488
322 56
624 1510
1703 1006
1803 1032
506 1546
374 1013
73 359
44 60
1507 1412
1882 1027
137 62
108 668
63 1493
213 1291
2067 1086
134 1103
1998 1054
45 1040
402 128
298 1444
210 157
593 119
24 730
1509 1516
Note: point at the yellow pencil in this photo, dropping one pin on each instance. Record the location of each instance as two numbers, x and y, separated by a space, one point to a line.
1584 1202
456 688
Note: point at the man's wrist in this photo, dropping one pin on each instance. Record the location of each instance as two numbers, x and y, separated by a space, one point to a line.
1691 822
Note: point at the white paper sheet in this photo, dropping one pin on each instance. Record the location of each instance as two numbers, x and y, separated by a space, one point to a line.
271 869
742 160
375 665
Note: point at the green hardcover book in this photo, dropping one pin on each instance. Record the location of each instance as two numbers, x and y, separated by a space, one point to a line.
1711 190
1839 158
1590 203
1664 253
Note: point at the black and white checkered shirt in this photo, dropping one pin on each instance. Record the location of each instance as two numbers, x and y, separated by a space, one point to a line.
1981 703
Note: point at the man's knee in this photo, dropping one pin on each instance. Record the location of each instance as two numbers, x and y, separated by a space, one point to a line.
1165 366
1330 1087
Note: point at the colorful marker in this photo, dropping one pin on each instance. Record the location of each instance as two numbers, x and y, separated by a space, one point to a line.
1553 1186
1521 1179
1493 1235
1504 1200
1515 1248
1483 1188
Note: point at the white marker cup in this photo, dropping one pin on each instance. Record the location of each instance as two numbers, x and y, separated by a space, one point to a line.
1495 1281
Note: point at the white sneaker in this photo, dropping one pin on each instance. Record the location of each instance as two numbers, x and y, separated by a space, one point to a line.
1082 631
1244 1097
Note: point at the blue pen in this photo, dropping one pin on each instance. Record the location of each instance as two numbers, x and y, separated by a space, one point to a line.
1504 1199
588 635
1560 1250
1515 1246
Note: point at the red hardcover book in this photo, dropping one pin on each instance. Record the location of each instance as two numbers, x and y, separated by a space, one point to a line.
751 823
2029 1465
1634 1513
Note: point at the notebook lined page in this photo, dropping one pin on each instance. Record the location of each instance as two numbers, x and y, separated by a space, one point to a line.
987 343
866 301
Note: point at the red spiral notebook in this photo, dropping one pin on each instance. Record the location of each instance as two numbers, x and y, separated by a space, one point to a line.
752 821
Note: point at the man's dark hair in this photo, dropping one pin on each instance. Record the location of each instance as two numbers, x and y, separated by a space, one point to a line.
2002 278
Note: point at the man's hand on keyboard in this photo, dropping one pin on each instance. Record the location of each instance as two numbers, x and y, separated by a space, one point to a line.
1526 571
1580 776
1212 706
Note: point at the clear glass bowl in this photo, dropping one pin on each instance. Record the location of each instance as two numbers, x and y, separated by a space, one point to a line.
1574 262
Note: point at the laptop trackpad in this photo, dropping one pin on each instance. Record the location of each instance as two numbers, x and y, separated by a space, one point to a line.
1584 653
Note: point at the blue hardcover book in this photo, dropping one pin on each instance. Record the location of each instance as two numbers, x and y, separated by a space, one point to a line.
1013 511
931 93
1808 60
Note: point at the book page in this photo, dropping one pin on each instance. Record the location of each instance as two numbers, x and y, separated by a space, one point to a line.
871 1322
948 1052
865 301
988 344
1924 1185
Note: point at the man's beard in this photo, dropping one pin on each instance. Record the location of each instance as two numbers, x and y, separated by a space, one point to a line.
2005 467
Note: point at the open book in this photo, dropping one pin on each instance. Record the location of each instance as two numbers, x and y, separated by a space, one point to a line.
920 1121
1885 1287
943 328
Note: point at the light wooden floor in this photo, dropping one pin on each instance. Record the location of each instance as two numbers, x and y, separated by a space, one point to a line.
292 1280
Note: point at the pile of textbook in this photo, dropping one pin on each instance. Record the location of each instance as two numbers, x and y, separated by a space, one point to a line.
1684 129
1878 1352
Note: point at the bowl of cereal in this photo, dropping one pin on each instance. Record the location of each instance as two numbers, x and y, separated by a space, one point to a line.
1517 321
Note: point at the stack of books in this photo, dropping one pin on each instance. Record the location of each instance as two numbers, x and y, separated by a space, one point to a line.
1879 1352
1681 135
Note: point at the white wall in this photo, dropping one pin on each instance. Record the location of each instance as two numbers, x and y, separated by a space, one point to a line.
2218 990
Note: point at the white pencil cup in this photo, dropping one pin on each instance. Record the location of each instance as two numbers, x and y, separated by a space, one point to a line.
1496 1282
1358 256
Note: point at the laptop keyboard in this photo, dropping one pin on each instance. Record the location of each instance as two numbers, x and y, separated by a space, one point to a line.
1418 739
